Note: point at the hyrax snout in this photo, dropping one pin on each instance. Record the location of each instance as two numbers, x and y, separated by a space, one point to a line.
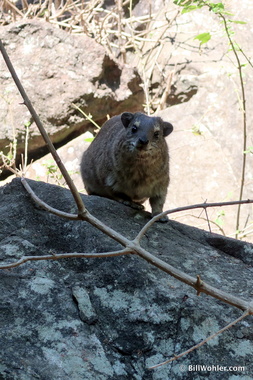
128 161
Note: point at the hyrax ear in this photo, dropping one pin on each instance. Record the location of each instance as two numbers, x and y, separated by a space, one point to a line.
126 117
167 128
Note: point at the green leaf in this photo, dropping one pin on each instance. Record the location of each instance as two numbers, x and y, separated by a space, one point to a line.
217 7
249 150
190 5
27 124
182 3
219 220
189 9
196 130
203 38
238 22
89 139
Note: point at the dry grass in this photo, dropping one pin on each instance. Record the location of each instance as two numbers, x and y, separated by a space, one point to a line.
117 28
109 27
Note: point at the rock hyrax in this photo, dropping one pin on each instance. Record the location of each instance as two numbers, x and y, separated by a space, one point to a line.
128 161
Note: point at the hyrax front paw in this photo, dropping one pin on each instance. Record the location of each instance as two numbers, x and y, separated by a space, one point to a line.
163 219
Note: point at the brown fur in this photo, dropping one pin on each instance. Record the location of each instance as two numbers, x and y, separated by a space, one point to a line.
128 161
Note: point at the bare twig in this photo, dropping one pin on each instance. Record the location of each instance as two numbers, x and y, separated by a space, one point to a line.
184 208
24 259
175 357
14 8
87 217
76 195
201 218
121 44
166 92
25 156
207 218
45 206
87 117
233 46
133 247
192 281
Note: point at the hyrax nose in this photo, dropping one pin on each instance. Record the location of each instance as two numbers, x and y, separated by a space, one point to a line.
143 141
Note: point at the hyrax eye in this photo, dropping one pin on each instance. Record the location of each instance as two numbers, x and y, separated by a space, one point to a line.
156 134
134 128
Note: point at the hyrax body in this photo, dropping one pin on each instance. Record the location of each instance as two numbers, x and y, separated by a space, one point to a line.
128 161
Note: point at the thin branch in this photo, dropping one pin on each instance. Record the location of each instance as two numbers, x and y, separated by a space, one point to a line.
15 9
245 56
244 115
45 206
208 221
24 259
221 231
166 92
244 315
25 156
200 286
76 195
86 217
184 208
87 117
134 247
120 40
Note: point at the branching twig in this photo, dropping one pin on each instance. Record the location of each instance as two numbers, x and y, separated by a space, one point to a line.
87 117
220 229
87 217
208 221
200 286
45 206
244 315
76 195
132 246
24 259
166 92
234 47
184 208
121 45
244 117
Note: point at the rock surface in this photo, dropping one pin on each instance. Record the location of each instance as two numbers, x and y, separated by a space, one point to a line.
111 319
56 70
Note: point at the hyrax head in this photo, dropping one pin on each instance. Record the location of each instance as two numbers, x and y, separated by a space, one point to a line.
145 132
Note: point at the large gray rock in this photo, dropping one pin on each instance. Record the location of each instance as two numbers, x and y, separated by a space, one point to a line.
110 319
57 69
